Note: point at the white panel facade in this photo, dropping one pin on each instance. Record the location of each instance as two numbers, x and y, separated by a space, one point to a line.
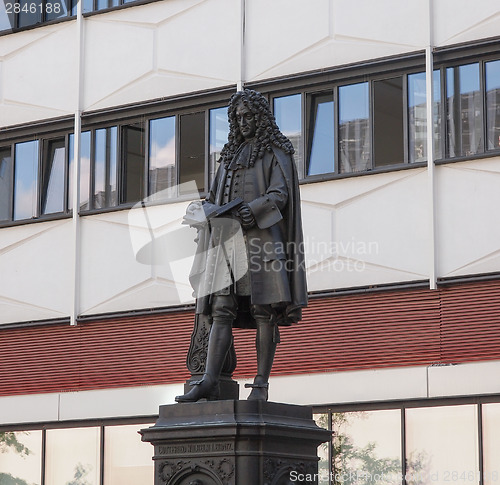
136 259
37 259
467 219
286 37
38 70
160 50
366 230
456 22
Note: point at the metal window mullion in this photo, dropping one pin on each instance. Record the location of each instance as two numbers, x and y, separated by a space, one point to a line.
207 152
406 155
303 142
443 112
330 449
101 455
403 446
336 131
177 153
44 456
66 173
480 443
107 168
371 121
12 181
484 111
146 184
39 182
119 165
92 169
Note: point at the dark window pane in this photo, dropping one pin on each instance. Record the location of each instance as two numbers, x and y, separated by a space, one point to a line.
388 140
88 6
354 128
288 114
53 176
30 12
105 189
192 153
84 170
417 116
219 129
26 180
133 163
103 4
5 183
162 169
55 9
321 143
493 104
463 110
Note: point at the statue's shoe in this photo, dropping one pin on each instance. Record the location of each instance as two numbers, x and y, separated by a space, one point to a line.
206 388
259 392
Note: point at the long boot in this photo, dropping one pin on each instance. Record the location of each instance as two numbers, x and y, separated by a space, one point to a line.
219 343
266 341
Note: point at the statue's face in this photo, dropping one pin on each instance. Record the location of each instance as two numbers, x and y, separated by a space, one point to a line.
246 121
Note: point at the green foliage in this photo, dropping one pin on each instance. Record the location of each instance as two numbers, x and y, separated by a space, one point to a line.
80 473
9 441
7 479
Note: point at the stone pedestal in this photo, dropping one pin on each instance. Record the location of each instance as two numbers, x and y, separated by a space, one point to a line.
235 443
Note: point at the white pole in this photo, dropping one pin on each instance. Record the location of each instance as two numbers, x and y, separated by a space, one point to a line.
241 80
75 203
429 68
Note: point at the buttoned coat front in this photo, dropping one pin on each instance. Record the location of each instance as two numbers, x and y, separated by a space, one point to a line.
273 247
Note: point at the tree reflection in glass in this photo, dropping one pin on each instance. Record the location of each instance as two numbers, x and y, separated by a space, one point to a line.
20 458
366 448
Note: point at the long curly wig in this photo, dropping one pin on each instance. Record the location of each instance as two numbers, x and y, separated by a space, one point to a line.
266 135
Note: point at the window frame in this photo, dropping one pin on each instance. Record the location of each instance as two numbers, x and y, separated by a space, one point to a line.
403 405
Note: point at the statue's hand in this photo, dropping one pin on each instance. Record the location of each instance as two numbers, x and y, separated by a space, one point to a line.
246 217
195 215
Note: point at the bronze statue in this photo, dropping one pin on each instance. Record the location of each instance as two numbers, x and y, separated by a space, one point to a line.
249 269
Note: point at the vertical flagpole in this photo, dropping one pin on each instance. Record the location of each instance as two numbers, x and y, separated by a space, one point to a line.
241 80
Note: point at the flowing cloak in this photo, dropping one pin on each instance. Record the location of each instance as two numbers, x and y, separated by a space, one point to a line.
291 277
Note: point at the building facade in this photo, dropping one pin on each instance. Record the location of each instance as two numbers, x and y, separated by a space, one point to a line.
112 115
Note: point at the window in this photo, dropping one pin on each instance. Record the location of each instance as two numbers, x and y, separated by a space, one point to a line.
321 134
133 144
73 456
26 180
192 154
219 129
424 443
109 455
21 457
53 176
493 105
354 128
162 156
417 116
18 14
5 183
105 192
288 114
127 460
388 124
463 110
